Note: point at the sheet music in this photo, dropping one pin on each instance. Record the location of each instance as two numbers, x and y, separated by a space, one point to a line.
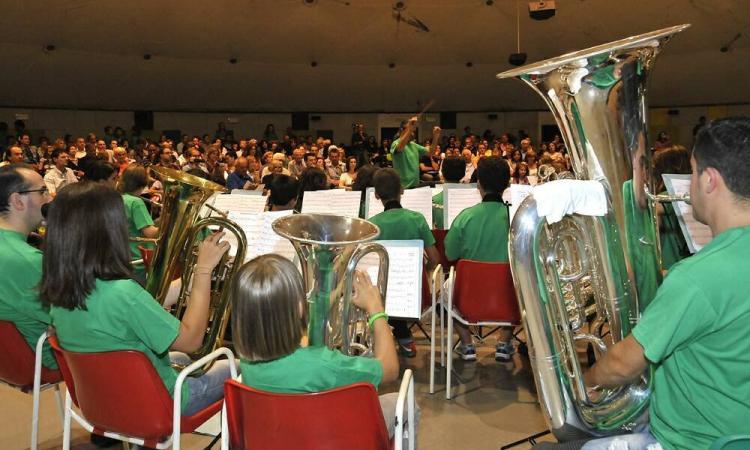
456 198
518 192
240 203
418 200
332 201
261 239
696 234
404 293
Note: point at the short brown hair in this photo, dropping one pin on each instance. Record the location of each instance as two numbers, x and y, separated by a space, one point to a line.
269 311
133 178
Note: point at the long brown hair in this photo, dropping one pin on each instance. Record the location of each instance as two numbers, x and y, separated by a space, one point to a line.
87 239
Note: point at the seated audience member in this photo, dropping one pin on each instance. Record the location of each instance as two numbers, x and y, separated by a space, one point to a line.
194 160
275 168
269 321
230 159
454 169
283 192
520 174
397 223
22 194
469 166
96 305
334 166
60 175
429 165
214 167
311 179
139 222
674 159
121 160
311 159
279 158
297 164
480 233
13 155
348 177
693 334
166 159
241 178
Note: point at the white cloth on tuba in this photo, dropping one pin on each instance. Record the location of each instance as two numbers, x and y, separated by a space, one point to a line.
556 199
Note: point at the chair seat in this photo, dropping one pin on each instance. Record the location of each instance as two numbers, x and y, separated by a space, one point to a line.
188 424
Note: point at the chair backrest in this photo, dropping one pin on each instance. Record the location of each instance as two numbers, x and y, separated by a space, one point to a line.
484 292
146 255
346 417
440 247
732 442
117 391
16 357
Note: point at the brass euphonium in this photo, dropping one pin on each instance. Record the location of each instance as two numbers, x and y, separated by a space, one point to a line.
181 229
583 267
329 248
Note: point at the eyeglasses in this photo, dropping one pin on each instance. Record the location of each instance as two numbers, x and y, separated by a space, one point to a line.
42 191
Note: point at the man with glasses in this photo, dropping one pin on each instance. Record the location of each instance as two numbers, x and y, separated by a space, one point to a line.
22 194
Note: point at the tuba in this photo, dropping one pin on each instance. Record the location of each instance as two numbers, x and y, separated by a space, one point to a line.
181 229
329 248
577 275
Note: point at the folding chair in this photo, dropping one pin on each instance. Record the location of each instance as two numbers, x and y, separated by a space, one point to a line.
347 417
22 369
121 396
479 293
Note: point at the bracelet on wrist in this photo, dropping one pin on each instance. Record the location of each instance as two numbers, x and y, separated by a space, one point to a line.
376 316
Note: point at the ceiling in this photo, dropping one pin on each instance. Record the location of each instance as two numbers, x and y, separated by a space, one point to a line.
98 62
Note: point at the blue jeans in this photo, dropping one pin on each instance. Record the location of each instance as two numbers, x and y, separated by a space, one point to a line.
205 389
642 440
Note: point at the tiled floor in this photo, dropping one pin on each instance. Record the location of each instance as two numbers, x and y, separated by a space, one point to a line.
493 404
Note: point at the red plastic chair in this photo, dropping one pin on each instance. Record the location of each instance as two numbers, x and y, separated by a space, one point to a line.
146 255
21 368
348 417
479 293
121 396
440 246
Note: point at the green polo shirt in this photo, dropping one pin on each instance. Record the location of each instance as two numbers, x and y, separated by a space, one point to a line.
138 218
437 210
695 334
121 315
19 302
406 163
399 224
311 369
479 233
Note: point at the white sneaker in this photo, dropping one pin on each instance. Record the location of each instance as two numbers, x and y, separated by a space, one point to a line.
467 352
504 351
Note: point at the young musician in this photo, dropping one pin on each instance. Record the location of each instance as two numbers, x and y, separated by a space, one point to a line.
269 319
397 223
453 169
694 332
140 224
480 233
96 305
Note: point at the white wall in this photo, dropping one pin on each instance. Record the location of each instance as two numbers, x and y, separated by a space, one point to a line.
57 122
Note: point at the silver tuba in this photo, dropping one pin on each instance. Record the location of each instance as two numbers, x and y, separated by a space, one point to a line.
329 248
577 275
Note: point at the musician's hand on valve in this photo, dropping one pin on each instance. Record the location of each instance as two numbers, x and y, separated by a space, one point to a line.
366 295
211 250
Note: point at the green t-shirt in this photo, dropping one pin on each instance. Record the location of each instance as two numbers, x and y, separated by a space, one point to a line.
479 233
138 218
695 333
19 302
401 224
121 315
437 210
311 369
406 162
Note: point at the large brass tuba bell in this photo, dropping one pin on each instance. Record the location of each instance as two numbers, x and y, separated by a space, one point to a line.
181 229
605 268
329 249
